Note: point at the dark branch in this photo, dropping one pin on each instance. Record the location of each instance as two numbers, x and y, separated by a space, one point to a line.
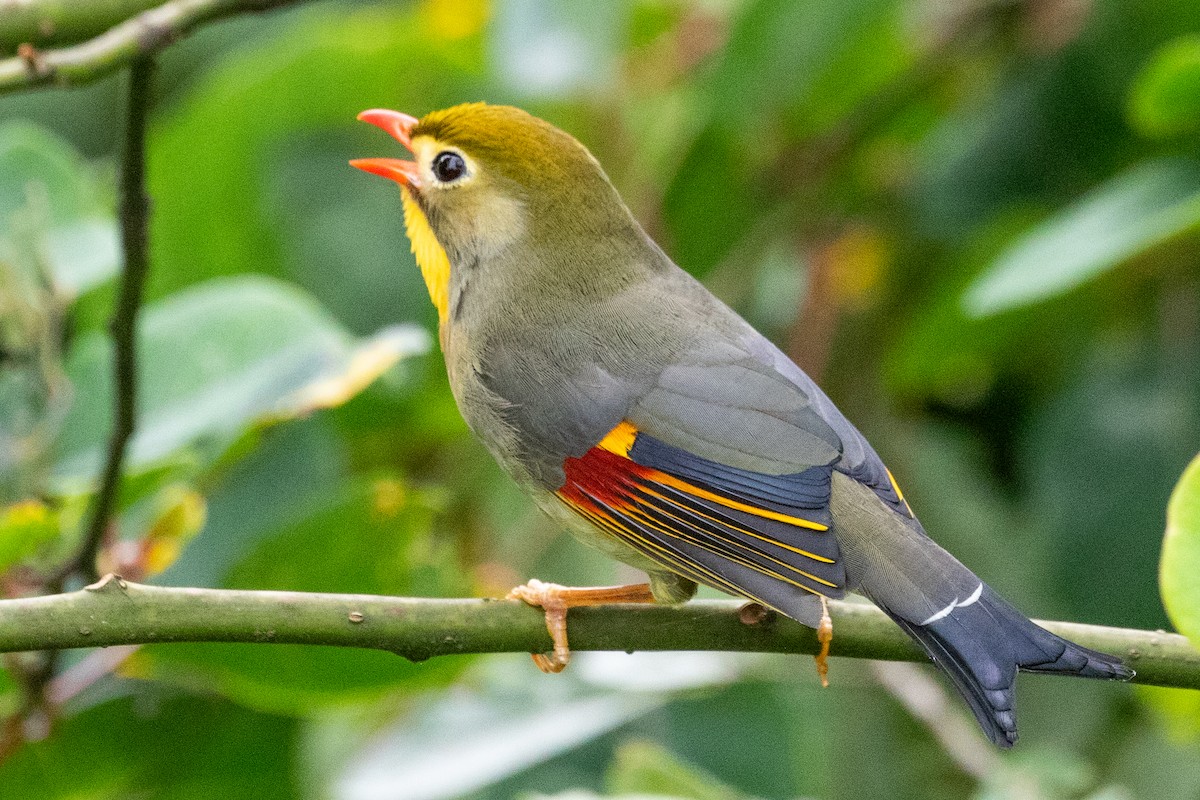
135 222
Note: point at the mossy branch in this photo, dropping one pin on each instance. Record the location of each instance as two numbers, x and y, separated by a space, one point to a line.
115 611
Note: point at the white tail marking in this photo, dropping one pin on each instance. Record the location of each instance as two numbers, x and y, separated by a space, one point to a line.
945 612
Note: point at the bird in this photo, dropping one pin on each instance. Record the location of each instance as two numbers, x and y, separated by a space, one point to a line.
657 425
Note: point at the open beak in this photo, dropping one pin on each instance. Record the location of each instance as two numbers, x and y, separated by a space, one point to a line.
400 127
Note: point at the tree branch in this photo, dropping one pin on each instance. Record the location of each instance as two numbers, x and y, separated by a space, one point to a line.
117 612
30 21
43 23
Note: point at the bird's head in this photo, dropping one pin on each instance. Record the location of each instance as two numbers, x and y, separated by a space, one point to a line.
486 178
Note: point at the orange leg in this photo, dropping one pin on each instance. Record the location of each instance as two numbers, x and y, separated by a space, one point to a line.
825 637
557 600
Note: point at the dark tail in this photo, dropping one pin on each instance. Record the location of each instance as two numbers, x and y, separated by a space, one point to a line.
982 645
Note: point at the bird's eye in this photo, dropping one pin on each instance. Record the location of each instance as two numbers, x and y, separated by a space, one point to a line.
448 166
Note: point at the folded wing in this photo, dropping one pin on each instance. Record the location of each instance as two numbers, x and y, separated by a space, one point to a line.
762 536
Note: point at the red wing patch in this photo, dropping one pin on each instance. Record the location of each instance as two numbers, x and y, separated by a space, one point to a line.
718 531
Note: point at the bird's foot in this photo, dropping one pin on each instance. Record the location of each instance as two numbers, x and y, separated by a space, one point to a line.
555 600
825 637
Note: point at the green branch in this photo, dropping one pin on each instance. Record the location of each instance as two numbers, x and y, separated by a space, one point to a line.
25 24
114 612
45 23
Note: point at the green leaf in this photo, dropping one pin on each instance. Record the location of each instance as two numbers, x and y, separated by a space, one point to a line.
791 70
383 516
940 353
815 59
1147 206
212 361
37 166
1046 772
1180 564
33 390
83 254
169 748
708 207
644 767
1165 99
1099 458
1179 710
257 487
56 242
51 217
24 527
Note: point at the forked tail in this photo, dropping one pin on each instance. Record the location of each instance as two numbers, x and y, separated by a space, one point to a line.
982 645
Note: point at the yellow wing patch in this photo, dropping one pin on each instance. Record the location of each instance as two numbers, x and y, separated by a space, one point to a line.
620 439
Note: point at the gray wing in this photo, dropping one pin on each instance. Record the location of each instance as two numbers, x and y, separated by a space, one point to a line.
858 459
740 401
721 403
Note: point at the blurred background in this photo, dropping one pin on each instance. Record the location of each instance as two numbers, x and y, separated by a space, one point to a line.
974 223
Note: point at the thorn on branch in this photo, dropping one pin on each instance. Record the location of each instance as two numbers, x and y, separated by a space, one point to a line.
109 583
34 62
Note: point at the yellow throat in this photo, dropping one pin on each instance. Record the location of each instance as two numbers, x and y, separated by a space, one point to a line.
431 258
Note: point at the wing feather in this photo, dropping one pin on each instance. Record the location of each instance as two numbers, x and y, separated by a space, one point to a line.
761 536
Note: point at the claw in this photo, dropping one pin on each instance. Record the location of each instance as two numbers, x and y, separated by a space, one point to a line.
548 597
825 637
556 600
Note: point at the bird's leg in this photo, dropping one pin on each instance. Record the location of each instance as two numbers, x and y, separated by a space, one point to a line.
825 637
555 600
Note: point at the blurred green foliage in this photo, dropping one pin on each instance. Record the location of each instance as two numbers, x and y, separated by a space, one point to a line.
1181 554
974 223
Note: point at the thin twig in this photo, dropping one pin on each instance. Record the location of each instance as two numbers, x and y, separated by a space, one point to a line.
135 220
117 612
137 36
